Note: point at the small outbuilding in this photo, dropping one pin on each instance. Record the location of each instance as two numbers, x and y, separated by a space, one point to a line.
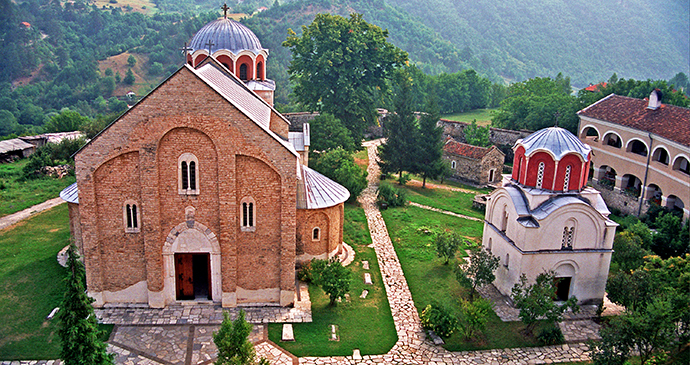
476 165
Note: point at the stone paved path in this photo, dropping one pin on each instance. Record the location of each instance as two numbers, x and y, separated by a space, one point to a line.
13 218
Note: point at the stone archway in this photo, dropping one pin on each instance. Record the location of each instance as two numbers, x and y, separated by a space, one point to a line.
191 237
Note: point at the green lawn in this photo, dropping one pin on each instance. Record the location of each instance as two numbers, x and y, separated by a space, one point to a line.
412 232
364 324
453 201
483 116
31 285
18 195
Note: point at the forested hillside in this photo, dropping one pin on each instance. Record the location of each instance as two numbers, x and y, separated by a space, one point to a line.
586 39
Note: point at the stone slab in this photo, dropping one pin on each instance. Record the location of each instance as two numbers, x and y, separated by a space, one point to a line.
288 334
367 279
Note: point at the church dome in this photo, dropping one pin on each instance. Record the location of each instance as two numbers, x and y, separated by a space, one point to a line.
558 141
552 159
226 34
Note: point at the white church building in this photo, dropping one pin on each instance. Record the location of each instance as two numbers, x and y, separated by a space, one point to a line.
545 218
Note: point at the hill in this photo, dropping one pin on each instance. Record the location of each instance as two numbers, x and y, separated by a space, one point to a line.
586 39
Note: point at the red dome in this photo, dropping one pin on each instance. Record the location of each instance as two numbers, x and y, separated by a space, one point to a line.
551 159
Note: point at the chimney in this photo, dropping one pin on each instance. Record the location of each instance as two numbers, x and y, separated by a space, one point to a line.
654 100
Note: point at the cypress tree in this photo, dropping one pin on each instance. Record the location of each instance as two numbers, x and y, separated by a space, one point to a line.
429 158
78 330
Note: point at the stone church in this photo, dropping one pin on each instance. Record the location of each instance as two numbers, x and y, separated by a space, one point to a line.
200 192
544 217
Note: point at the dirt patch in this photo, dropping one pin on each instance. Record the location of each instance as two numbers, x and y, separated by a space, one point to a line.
138 6
54 230
118 63
431 186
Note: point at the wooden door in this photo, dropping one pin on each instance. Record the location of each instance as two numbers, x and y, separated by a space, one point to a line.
184 274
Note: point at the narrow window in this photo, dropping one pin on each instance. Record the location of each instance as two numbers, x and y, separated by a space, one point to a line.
192 175
507 260
243 72
130 216
247 215
185 175
452 164
567 241
315 234
188 172
490 244
566 179
540 175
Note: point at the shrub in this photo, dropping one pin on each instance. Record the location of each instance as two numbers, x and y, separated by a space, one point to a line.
439 319
332 277
447 245
388 196
403 178
475 315
551 335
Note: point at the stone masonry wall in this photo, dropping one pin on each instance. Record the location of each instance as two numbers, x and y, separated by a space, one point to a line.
498 136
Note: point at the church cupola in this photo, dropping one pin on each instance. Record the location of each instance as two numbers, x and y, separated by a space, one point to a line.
551 159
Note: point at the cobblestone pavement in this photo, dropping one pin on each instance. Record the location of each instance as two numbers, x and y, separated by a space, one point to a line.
199 314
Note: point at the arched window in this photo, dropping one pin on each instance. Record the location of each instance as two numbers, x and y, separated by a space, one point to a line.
661 155
248 214
681 164
491 175
188 174
316 234
490 244
566 179
567 241
131 216
540 175
243 72
260 70
453 164
507 260
504 219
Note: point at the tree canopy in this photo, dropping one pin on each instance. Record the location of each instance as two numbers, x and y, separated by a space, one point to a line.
340 66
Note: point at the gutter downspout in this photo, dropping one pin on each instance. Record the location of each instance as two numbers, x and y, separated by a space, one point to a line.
643 189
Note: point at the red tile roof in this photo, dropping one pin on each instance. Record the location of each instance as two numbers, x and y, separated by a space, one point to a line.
668 121
595 88
464 149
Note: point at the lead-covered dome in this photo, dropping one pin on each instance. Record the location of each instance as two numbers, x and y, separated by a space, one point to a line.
557 141
551 159
226 34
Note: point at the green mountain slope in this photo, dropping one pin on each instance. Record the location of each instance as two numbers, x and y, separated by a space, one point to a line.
585 39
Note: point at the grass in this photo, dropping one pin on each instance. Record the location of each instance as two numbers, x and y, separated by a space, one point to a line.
16 195
364 324
453 201
362 159
483 116
32 284
412 231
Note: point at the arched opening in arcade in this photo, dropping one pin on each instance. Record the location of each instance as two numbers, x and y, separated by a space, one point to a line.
631 185
681 164
637 147
613 140
589 134
654 194
660 155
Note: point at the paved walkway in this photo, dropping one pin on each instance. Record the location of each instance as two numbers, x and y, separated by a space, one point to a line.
445 212
11 219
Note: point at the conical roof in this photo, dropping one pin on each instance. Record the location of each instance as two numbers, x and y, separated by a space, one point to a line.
558 141
226 34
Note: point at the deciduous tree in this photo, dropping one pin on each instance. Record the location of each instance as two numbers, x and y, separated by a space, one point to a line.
340 166
447 245
478 271
232 341
328 133
476 135
333 278
339 65
536 302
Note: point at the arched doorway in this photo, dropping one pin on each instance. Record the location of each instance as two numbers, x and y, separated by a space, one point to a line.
191 258
564 276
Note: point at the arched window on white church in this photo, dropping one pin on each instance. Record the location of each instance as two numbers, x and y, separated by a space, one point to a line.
540 175
248 215
130 217
188 174
568 236
566 179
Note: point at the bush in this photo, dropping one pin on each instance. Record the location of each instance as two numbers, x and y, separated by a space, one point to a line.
388 196
331 276
551 335
475 315
439 319
403 178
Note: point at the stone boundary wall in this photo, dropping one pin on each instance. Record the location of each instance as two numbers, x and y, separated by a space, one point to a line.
297 119
617 200
498 136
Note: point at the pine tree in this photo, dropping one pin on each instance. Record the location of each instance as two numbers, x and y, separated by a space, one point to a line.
78 330
402 134
429 158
